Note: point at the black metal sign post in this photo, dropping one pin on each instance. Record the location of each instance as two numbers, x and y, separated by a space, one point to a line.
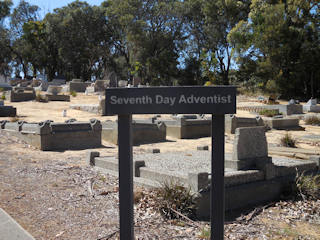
125 176
217 177
202 100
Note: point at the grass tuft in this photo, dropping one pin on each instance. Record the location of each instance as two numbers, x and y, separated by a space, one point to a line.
288 141
174 197
73 93
312 120
308 186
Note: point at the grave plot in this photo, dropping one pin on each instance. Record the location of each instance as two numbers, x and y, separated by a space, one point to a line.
20 94
311 106
232 122
251 176
77 85
7 111
54 94
144 131
56 136
282 123
187 126
288 109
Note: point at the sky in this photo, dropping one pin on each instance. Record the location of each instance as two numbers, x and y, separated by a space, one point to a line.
48 5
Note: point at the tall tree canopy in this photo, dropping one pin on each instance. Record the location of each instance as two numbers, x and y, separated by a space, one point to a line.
280 42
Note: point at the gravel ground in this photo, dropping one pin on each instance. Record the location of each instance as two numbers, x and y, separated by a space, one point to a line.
53 195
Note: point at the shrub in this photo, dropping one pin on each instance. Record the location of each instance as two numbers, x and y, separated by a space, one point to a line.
73 93
40 98
288 141
308 186
3 97
174 197
269 112
312 120
1 89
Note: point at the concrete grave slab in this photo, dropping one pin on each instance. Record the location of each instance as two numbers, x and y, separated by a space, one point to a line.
49 136
144 131
10 229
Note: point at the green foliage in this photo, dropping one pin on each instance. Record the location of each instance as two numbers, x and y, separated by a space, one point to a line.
288 141
312 120
278 37
73 93
269 112
308 186
205 234
175 197
1 89
3 97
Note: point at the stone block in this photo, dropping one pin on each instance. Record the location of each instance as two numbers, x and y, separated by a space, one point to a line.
8 111
78 86
101 85
203 148
90 157
54 90
250 143
153 150
65 98
198 181
316 159
137 166
282 123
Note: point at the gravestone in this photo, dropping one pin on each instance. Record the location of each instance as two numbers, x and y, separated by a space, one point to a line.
122 83
255 156
311 106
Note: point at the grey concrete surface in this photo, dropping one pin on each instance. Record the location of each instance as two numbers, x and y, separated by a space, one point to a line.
10 229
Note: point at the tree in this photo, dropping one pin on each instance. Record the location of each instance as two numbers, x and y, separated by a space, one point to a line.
207 25
147 38
22 14
5 53
282 37
81 38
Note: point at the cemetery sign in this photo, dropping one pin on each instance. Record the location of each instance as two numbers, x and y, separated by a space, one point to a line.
218 100
124 102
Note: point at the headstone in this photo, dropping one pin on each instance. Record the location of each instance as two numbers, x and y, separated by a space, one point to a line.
54 90
292 101
122 83
312 102
250 149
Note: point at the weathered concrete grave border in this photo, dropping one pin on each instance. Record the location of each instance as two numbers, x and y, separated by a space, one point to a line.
211 100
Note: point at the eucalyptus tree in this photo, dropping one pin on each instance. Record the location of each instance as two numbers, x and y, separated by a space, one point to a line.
81 39
208 23
5 53
282 38
147 36
20 49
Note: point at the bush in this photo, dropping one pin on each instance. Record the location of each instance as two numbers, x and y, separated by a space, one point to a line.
174 197
269 112
288 141
312 120
40 98
73 93
3 97
308 186
1 89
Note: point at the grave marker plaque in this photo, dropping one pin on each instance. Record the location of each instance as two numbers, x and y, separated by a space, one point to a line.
124 102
